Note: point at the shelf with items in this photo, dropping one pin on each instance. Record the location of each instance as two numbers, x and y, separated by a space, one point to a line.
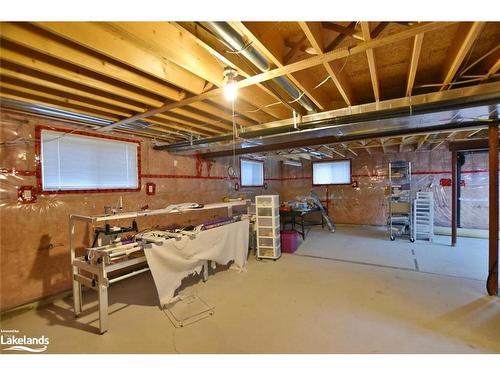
400 218
268 226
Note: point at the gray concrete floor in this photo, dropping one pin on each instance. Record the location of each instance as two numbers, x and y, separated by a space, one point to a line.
368 298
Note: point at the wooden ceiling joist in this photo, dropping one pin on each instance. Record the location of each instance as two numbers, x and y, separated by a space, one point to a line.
466 35
334 150
338 39
314 33
275 55
114 45
348 31
415 56
422 141
298 66
294 49
372 65
253 102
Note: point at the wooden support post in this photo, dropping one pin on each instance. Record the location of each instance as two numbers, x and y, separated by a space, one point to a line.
492 283
454 197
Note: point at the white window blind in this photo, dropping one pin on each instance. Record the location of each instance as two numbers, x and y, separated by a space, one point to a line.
332 173
252 173
77 162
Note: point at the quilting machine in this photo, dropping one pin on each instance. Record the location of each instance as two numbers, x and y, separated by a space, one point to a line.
92 269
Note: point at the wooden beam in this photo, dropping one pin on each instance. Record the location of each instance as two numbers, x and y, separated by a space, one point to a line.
7 72
298 66
472 133
332 149
372 65
37 40
246 105
293 51
348 31
493 70
378 29
181 48
382 143
401 145
255 33
491 52
441 141
125 50
492 282
415 56
475 144
349 149
467 33
314 34
338 39
421 142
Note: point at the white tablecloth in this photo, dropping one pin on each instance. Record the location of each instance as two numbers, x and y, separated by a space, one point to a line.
173 260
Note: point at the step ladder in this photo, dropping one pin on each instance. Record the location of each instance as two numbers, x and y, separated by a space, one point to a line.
317 202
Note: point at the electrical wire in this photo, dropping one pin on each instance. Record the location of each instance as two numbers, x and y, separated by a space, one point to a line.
243 49
21 141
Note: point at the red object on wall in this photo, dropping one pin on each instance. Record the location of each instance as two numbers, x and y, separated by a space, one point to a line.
26 194
150 188
446 182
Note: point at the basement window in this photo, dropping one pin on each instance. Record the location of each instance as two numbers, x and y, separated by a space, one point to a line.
72 161
336 172
252 173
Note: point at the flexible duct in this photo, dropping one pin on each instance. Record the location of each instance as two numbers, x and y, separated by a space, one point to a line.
224 31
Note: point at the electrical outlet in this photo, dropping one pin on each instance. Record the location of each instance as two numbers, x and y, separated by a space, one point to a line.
26 194
150 188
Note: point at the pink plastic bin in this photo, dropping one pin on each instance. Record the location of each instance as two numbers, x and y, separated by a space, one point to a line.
289 241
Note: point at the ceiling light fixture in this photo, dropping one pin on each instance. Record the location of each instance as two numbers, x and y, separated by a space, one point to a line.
230 87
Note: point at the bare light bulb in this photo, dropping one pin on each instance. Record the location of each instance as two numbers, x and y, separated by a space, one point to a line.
230 90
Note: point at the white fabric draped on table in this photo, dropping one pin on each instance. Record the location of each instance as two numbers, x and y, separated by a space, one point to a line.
174 260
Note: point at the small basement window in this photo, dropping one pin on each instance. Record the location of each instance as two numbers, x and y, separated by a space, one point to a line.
336 172
73 162
252 172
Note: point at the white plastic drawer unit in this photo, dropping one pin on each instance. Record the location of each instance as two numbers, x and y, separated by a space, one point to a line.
269 242
269 252
268 226
267 211
269 231
267 201
268 221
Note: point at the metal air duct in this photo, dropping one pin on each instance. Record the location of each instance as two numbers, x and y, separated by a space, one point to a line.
224 31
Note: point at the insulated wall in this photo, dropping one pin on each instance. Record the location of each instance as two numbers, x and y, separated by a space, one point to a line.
367 203
34 255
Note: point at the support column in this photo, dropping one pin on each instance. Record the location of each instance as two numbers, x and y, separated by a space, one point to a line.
492 283
454 197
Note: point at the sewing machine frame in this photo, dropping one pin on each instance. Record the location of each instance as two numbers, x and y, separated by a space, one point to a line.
100 281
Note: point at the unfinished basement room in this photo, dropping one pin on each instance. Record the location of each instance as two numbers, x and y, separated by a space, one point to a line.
249 187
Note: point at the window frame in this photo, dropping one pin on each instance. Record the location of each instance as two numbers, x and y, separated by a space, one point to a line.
38 155
332 161
241 173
